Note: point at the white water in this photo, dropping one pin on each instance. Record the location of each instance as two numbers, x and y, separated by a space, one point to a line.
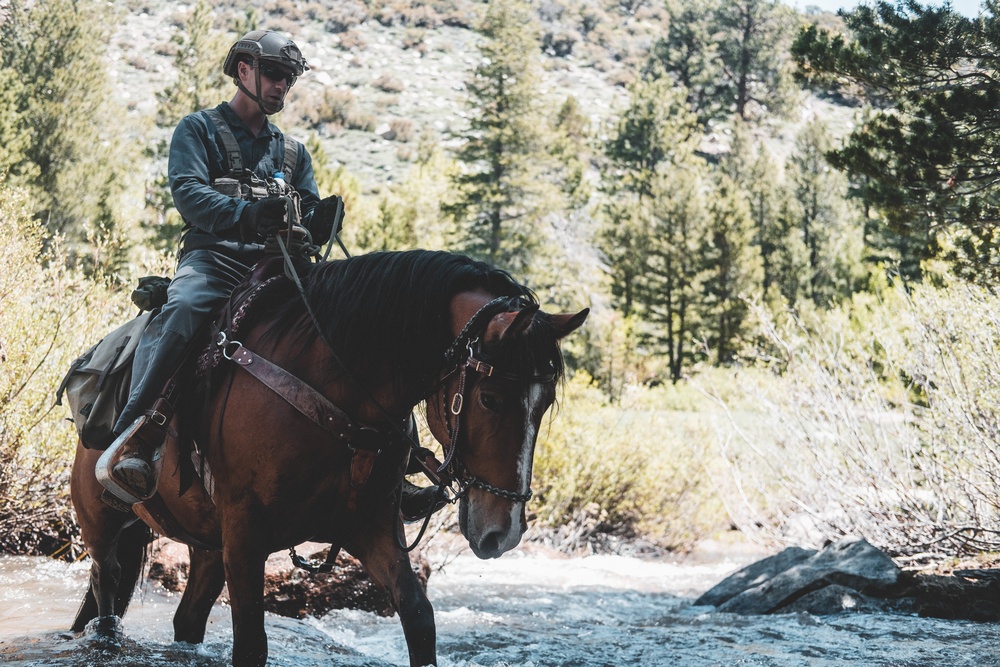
521 610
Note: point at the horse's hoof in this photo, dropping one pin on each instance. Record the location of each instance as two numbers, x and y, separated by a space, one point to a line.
107 634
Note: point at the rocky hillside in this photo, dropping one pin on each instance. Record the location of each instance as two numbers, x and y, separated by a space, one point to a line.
395 69
397 75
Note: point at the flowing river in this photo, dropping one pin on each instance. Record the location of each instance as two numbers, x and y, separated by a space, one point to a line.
522 610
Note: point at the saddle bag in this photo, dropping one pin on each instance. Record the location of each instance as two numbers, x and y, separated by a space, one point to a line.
97 383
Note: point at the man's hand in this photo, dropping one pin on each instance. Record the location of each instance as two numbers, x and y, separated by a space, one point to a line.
324 218
262 218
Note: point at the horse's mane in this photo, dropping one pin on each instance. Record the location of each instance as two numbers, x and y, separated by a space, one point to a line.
390 308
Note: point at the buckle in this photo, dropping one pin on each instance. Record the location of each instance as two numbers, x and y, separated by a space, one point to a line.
480 366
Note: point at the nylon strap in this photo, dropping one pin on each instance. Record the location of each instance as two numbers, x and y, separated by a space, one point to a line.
234 158
291 158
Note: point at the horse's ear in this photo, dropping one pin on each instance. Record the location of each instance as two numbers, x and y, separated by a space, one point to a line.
567 323
509 325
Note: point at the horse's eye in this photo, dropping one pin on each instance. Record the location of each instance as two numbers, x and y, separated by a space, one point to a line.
491 402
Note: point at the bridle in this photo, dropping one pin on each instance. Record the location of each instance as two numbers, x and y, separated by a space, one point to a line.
463 355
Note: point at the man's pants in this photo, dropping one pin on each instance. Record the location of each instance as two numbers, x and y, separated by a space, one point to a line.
203 281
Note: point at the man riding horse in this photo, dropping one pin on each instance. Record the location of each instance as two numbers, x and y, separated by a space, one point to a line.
235 179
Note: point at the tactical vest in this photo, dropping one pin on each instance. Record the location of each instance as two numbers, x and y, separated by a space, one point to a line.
233 156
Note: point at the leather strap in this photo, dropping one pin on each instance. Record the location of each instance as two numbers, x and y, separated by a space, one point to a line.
158 516
312 404
362 441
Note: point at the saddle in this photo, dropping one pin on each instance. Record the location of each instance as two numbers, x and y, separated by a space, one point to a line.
96 385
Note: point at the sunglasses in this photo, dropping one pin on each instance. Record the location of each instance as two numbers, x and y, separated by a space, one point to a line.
275 73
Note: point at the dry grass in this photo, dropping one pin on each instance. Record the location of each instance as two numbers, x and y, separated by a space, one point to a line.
883 423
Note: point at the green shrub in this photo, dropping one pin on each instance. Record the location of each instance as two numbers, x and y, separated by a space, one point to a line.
626 470
49 314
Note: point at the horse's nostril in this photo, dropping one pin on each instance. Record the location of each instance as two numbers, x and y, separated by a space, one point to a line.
490 544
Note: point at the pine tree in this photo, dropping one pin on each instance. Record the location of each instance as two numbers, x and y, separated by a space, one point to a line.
778 236
753 39
732 270
830 226
668 286
499 198
201 51
689 53
569 148
654 132
924 152
74 159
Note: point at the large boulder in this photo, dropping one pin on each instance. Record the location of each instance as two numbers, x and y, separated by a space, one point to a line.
754 575
783 582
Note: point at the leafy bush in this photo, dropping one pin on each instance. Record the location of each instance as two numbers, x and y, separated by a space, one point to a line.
48 316
632 469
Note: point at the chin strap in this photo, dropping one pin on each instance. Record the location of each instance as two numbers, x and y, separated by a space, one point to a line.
257 98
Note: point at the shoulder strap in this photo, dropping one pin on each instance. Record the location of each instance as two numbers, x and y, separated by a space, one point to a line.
233 155
291 158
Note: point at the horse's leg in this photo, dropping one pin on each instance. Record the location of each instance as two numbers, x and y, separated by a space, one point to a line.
244 567
117 551
206 577
389 567
117 564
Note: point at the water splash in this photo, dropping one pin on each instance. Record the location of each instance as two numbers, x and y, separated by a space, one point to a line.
525 611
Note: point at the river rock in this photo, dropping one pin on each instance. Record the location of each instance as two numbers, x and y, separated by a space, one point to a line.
754 575
288 590
834 599
776 583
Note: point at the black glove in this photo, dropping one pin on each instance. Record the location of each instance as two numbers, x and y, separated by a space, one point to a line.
262 218
325 222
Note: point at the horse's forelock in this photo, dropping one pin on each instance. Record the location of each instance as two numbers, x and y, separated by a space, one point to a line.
533 353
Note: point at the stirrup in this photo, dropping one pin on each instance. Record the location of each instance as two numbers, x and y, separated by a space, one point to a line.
116 453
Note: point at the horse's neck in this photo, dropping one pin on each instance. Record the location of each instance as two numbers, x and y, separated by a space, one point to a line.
370 399
465 305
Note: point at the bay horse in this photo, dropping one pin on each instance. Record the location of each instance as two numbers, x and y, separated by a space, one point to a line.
368 339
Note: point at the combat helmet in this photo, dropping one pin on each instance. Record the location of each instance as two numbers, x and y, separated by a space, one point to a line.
264 46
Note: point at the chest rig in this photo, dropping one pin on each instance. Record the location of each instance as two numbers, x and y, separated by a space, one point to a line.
241 182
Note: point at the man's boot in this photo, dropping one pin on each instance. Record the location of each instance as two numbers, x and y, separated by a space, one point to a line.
136 469
418 502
